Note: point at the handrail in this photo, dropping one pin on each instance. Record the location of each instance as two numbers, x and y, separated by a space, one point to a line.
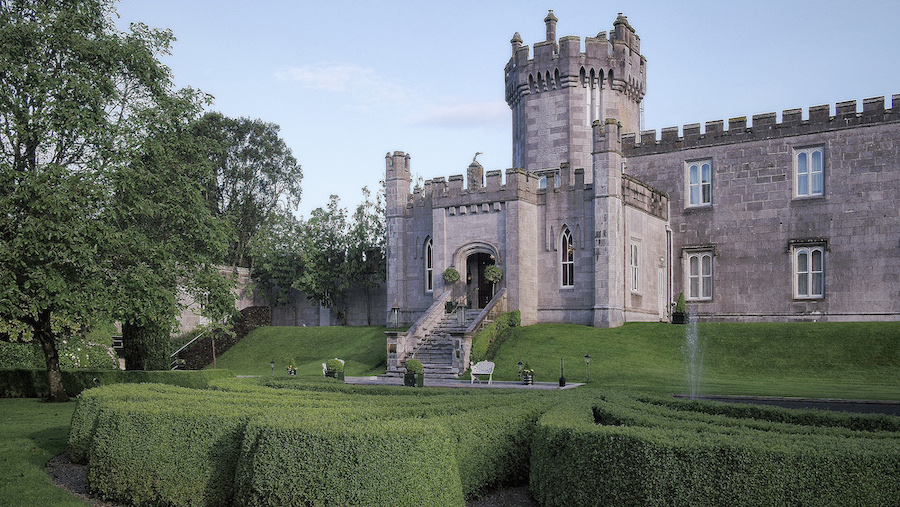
186 345
487 310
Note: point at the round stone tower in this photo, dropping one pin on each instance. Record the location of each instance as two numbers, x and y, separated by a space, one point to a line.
557 94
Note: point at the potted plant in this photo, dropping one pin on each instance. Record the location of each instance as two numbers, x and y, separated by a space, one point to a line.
451 276
291 368
450 307
334 368
414 376
528 375
493 274
680 311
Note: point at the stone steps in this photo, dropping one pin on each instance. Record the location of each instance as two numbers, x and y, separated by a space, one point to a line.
436 350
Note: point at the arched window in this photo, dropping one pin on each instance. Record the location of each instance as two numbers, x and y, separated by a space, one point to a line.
809 269
567 258
429 266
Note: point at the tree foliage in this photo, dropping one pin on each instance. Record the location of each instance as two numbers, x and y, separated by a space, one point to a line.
254 173
79 106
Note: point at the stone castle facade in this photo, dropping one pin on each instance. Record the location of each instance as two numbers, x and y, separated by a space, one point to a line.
601 224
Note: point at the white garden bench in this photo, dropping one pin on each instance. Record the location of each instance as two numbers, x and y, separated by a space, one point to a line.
482 368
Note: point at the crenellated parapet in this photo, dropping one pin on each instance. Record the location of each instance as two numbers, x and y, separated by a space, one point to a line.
610 60
764 126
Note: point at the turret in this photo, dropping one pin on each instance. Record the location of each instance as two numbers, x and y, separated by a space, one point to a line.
557 93
397 181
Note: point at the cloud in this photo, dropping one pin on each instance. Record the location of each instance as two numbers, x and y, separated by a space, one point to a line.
353 79
473 114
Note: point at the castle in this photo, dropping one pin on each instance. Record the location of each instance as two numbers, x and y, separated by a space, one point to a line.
598 223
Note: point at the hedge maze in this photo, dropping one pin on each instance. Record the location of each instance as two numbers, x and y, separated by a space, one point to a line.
316 442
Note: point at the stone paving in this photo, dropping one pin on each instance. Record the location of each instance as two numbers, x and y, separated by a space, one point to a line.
497 384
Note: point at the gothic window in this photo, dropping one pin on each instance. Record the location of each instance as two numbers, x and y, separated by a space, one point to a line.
635 267
809 172
699 268
567 258
699 183
809 272
429 265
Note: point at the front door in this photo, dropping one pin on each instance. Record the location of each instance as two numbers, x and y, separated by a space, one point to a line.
479 291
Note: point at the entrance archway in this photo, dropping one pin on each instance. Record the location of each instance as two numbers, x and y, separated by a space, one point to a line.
479 290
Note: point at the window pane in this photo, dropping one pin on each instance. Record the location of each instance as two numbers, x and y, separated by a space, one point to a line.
707 265
695 195
818 281
802 284
817 260
802 262
695 287
707 190
695 175
695 266
802 166
707 174
707 287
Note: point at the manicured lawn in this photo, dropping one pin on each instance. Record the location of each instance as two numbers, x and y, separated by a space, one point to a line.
32 432
362 348
823 360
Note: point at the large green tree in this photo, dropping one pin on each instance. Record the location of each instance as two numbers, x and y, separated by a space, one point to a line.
72 92
324 241
254 174
366 260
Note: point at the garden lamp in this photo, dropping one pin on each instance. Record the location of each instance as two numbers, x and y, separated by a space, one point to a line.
520 369
272 364
562 379
587 361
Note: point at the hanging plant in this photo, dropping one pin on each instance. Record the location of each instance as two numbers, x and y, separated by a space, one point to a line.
493 274
451 276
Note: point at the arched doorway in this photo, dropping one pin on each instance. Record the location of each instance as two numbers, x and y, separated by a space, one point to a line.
479 291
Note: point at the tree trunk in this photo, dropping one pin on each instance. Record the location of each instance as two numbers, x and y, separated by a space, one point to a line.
146 346
44 333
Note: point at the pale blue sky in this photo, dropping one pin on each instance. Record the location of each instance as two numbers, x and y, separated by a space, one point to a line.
350 81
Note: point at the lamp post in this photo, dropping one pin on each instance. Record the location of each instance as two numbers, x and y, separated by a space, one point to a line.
587 362
272 364
562 379
520 369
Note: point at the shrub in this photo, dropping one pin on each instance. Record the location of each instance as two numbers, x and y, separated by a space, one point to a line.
413 366
334 365
451 276
32 383
487 341
624 449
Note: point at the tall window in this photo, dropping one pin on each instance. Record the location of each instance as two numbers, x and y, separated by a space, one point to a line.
635 267
699 183
429 266
809 172
700 275
567 258
809 272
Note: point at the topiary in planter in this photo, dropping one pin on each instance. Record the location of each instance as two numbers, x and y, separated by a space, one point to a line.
679 313
413 376
493 274
334 368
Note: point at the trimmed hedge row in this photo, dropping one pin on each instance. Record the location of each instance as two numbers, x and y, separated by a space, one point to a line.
625 450
32 383
487 341
248 444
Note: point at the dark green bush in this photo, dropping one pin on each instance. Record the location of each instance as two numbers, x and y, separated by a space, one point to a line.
32 383
619 449
320 458
487 341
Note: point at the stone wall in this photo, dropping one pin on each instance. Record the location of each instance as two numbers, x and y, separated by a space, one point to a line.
754 218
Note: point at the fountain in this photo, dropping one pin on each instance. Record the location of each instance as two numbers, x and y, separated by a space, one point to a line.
693 354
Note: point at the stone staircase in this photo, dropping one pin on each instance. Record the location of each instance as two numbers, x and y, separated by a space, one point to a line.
437 349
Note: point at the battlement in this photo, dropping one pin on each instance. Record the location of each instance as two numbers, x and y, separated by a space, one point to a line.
610 59
764 126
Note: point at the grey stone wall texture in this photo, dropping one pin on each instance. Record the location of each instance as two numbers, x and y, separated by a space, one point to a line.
580 165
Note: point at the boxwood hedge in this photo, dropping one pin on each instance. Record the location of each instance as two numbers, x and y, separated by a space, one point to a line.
32 383
638 450
310 442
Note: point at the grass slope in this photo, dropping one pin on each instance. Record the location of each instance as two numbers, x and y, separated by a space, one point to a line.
362 349
32 432
825 360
